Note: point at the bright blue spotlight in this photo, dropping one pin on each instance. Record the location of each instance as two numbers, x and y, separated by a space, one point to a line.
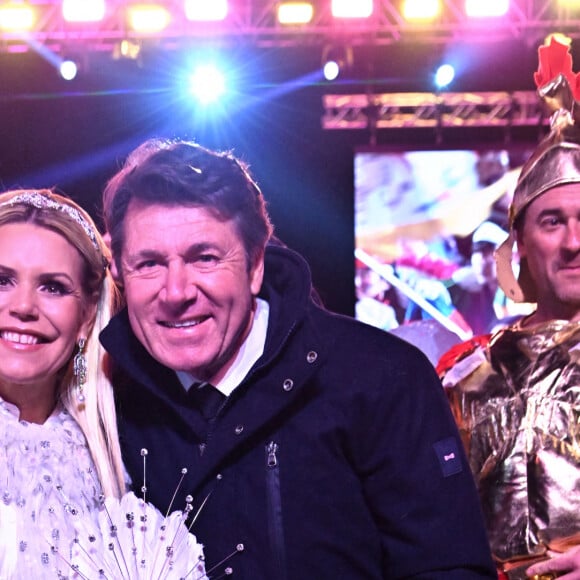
68 70
207 83
444 75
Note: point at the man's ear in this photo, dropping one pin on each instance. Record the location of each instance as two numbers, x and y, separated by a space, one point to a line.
257 274
520 245
113 265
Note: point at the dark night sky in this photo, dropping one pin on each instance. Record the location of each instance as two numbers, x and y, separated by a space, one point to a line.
74 135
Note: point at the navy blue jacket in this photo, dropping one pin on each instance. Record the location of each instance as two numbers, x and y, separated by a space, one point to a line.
337 456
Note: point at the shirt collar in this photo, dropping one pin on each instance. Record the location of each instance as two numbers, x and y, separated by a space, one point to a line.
250 351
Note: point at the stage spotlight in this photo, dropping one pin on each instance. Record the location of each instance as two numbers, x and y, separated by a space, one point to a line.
17 17
203 11
127 49
331 70
295 12
83 10
336 60
68 69
148 18
207 84
421 9
351 8
487 9
444 76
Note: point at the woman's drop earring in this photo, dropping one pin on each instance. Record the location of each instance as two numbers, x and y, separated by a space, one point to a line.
80 370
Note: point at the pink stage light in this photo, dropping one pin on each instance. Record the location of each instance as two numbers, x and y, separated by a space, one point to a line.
83 10
202 10
487 9
352 8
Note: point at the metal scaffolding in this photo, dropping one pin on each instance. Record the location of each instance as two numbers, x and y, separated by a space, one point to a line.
419 110
254 22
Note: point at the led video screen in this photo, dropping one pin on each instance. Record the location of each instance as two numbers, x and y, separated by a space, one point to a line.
426 225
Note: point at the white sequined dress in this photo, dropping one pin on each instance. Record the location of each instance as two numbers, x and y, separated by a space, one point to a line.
48 486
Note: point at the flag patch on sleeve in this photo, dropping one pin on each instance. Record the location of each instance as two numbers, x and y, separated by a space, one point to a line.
447 452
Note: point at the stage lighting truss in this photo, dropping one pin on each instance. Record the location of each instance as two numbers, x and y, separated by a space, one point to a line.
255 22
420 110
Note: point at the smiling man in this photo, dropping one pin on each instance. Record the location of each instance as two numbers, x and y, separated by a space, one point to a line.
312 446
190 298
517 397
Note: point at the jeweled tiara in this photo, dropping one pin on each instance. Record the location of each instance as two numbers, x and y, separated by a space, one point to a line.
40 201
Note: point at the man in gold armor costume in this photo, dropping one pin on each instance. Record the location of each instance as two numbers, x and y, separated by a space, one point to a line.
516 395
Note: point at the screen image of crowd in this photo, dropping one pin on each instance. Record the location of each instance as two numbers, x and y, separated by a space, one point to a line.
427 224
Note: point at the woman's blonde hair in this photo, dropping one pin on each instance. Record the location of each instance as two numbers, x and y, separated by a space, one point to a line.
96 413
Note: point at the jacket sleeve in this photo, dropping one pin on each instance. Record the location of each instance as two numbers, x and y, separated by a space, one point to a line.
415 475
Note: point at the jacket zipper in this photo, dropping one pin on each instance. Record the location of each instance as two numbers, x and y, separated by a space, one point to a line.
275 527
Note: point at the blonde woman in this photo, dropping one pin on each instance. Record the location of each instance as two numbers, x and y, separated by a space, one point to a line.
60 461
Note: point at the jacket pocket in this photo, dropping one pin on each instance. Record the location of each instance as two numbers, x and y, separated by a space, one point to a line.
275 520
